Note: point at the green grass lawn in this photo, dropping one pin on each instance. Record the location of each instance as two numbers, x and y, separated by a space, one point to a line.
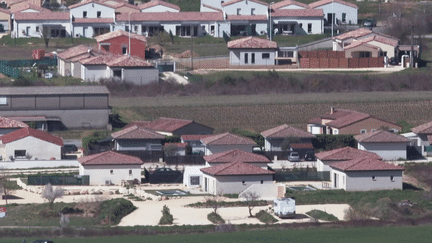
418 234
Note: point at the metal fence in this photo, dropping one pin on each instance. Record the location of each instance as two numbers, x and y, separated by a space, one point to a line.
13 69
58 180
302 176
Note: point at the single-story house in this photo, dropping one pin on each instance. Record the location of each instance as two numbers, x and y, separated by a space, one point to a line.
422 138
8 125
195 142
252 51
327 158
226 141
387 145
365 174
109 168
173 126
30 144
136 138
235 177
236 155
343 121
35 24
274 138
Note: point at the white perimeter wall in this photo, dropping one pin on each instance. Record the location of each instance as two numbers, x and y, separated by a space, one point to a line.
26 164
93 73
233 184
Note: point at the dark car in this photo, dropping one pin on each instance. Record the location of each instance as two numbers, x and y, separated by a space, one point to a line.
43 241
310 156
69 148
369 23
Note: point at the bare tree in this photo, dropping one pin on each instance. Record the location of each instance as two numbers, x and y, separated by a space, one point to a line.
51 195
215 201
6 186
251 198
46 35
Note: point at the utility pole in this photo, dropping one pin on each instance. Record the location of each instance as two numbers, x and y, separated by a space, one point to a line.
192 67
271 23
412 47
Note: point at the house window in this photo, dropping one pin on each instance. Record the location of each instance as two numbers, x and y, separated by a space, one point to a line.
265 55
20 154
309 28
253 58
392 178
262 182
84 14
112 172
98 14
335 131
130 172
246 58
363 131
238 11
136 28
382 53
124 50
3 100
244 183
301 26
37 28
364 54
127 28
194 180
374 178
252 11
344 17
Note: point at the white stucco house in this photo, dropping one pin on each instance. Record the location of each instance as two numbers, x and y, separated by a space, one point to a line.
30 144
136 138
366 174
193 176
235 177
327 158
226 141
235 155
344 12
33 24
387 145
252 51
8 125
109 168
421 138
274 137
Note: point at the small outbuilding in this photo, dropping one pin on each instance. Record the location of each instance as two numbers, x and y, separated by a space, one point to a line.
252 51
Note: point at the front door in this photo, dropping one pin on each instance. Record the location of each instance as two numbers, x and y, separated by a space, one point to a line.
335 180
205 185
246 58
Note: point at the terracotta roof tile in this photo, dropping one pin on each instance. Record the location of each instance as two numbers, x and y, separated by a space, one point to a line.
29 118
359 43
347 153
172 16
44 15
21 7
11 123
236 1
381 137
125 61
284 131
118 33
194 137
301 145
298 13
236 155
324 2
354 34
235 168
285 3
74 51
97 60
211 7
423 128
246 17
252 42
158 2
93 20
385 40
227 139
365 164
110 158
179 145
349 118
25 132
135 132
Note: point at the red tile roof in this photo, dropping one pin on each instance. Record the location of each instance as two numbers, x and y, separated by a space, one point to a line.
227 139
29 118
325 2
25 132
93 20
301 145
119 3
381 137
347 153
4 11
135 132
110 158
211 7
284 131
354 34
97 60
172 16
252 42
385 40
44 15
246 17
298 13
423 128
118 33
342 117
235 168
11 123
235 155
285 3
365 164
194 137
179 145
125 61
358 43
158 2
236 1
21 7
74 51
165 124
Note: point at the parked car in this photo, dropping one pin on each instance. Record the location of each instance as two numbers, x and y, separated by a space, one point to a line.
43 241
310 156
294 156
69 148
393 61
369 23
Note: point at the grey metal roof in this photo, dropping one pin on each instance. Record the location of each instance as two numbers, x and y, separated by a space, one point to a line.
54 90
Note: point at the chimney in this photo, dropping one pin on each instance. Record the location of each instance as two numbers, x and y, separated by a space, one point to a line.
332 109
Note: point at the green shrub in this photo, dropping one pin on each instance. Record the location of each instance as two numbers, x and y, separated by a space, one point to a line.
318 214
231 195
112 211
265 217
215 218
167 217
70 210
329 142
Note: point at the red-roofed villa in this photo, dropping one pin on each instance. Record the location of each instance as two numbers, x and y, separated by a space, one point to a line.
388 145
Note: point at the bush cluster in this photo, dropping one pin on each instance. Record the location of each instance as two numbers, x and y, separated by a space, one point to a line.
215 218
114 210
265 217
167 217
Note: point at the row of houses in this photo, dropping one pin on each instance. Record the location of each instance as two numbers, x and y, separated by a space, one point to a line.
234 17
